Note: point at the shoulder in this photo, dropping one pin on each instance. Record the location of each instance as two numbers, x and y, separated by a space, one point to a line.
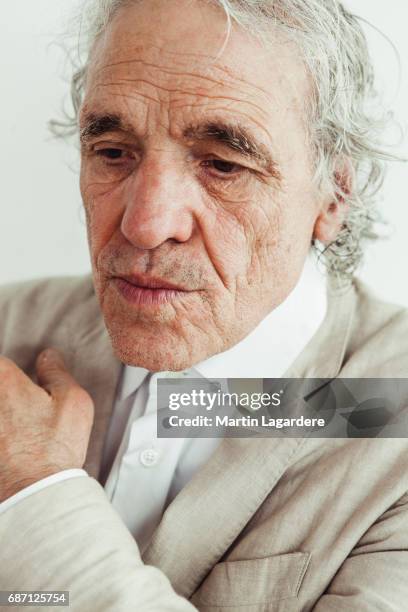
378 337
39 308
45 296
376 311
53 288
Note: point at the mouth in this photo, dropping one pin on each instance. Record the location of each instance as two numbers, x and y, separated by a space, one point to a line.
142 290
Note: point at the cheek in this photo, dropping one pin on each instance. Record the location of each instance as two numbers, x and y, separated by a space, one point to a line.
261 221
279 232
231 228
292 236
103 209
226 245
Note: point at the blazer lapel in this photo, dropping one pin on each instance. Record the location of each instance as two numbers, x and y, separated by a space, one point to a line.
209 513
96 368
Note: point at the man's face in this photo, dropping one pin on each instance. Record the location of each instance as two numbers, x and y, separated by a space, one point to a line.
196 179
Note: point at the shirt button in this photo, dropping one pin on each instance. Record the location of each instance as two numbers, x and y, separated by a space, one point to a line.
149 457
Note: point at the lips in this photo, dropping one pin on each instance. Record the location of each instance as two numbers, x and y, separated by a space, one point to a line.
140 290
150 282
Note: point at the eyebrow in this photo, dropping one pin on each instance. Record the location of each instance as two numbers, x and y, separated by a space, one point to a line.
235 137
97 125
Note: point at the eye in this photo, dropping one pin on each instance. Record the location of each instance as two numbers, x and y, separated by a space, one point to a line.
111 153
222 166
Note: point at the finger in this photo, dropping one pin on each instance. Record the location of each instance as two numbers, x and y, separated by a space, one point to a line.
53 375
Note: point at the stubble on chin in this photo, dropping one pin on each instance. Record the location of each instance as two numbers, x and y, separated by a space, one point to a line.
158 340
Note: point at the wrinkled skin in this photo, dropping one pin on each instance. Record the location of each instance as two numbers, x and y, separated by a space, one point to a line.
230 229
44 428
234 235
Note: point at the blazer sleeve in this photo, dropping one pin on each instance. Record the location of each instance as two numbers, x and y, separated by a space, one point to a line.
375 574
68 537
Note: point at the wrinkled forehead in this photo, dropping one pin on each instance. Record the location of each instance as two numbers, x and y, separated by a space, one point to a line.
160 69
191 39
188 30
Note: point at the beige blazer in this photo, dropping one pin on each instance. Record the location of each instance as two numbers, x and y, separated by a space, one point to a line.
266 525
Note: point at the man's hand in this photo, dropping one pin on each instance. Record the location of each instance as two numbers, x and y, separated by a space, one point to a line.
43 429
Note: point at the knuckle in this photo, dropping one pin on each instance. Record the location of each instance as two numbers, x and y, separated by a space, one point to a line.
8 369
5 362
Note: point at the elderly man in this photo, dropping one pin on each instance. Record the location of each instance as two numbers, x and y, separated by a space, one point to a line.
220 140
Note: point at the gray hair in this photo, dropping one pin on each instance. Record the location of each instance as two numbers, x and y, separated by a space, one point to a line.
345 117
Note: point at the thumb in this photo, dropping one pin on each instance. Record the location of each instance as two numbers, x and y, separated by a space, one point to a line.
53 375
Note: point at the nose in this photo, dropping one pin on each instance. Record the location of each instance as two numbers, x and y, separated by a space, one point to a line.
157 206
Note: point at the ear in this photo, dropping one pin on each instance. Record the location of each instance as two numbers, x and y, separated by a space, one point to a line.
334 210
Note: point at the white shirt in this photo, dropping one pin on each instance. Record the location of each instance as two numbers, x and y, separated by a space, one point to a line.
143 473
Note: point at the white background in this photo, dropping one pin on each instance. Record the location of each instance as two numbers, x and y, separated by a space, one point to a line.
42 229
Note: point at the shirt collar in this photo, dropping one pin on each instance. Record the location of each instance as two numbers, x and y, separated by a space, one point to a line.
132 378
269 350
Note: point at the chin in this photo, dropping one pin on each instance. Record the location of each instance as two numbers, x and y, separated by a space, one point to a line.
154 353
159 339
